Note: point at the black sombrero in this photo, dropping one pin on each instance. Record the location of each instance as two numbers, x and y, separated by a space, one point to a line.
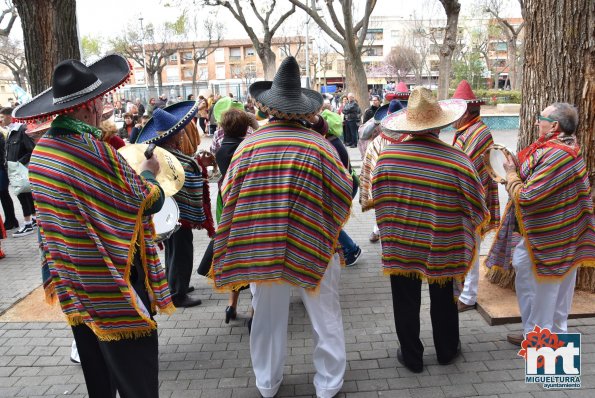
74 84
284 97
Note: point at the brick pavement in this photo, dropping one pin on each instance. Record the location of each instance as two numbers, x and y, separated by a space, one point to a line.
201 356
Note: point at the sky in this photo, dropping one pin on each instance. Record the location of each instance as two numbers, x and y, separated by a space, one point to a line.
113 16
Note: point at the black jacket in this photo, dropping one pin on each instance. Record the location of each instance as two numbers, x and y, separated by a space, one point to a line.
19 146
352 111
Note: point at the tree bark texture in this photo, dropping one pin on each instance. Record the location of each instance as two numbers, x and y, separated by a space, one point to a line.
452 9
49 36
560 67
356 79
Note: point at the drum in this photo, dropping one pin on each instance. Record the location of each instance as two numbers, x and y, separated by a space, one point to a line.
166 220
494 158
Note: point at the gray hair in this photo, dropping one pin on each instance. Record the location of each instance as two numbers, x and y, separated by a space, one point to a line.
566 115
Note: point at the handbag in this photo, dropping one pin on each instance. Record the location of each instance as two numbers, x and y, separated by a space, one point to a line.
18 175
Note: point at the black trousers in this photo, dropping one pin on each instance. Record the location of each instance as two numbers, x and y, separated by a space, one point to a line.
406 294
26 200
8 207
351 132
130 366
179 252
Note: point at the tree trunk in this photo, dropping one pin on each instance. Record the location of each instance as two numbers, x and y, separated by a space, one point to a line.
560 67
159 82
49 36
452 9
512 64
355 78
268 60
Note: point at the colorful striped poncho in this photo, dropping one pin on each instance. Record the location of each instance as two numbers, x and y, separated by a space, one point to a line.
286 197
554 213
429 206
190 198
90 207
475 139
369 163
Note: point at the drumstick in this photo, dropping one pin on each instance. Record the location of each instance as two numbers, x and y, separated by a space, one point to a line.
149 151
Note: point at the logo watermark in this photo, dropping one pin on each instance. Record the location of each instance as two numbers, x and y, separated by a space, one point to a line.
552 359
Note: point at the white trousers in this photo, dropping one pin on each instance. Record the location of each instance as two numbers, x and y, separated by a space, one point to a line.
543 304
268 339
376 229
469 294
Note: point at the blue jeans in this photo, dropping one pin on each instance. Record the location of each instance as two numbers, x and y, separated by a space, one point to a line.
348 245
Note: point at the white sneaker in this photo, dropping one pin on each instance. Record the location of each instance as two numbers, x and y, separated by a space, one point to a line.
27 229
74 353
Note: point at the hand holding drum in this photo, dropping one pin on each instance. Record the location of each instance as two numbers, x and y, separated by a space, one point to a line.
499 161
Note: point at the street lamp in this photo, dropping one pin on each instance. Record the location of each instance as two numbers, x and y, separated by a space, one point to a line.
142 40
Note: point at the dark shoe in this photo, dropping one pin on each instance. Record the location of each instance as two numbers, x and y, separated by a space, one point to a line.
352 260
190 289
27 229
230 313
462 307
11 225
186 302
34 222
515 339
455 356
402 362
374 237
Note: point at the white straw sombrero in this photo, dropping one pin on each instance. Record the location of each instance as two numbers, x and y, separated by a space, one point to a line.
424 113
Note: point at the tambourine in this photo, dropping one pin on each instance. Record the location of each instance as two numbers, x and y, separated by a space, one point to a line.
494 159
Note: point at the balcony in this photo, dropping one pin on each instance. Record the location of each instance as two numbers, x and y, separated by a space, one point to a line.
235 58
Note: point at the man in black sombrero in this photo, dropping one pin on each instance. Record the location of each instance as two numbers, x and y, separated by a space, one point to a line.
285 198
98 255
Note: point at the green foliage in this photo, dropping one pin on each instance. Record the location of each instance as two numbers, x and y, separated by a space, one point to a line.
91 47
469 67
179 26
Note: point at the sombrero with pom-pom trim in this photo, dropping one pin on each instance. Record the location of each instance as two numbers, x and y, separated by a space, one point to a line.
75 85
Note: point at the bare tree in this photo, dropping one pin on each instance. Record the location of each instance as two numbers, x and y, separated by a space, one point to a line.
449 44
12 56
158 48
350 36
263 48
213 31
10 10
402 60
48 39
512 33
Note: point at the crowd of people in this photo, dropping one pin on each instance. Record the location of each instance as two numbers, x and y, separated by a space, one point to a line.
284 198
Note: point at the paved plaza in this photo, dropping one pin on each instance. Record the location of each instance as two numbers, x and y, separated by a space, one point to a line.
201 356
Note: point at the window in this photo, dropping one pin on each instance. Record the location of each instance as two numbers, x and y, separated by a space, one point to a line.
249 52
235 54
139 76
187 56
172 74
187 74
434 66
220 72
394 33
220 55
374 51
173 58
374 34
203 74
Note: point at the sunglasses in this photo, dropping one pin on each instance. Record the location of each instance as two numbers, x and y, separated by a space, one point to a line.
547 119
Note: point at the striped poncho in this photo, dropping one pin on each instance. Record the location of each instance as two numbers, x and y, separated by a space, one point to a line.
286 197
90 207
475 139
554 213
369 163
429 206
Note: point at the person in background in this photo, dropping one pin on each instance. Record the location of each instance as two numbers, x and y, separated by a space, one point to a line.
126 130
110 134
140 108
203 113
18 149
10 219
352 114
474 138
150 107
369 113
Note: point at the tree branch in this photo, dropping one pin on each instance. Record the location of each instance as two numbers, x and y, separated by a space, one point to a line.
319 21
282 19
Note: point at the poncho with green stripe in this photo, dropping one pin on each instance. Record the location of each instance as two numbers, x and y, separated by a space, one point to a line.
90 207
